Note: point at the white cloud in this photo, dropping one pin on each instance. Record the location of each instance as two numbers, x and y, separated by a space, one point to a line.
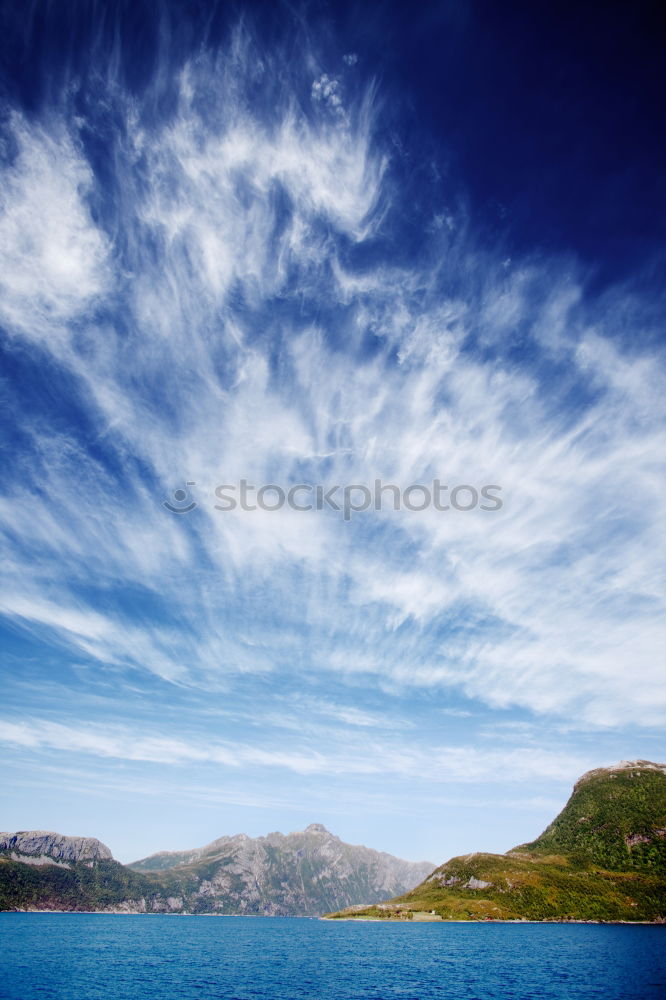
54 262
248 344
440 763
327 90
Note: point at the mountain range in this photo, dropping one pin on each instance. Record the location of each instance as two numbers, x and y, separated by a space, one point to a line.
298 874
602 858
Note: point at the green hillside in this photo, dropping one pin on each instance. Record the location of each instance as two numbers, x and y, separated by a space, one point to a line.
97 885
602 858
615 819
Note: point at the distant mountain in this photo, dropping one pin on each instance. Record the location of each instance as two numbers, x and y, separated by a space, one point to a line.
47 871
300 874
297 873
602 858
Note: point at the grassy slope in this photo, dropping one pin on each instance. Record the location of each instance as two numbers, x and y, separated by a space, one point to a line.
602 858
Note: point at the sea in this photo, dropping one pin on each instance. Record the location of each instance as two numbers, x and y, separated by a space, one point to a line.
77 956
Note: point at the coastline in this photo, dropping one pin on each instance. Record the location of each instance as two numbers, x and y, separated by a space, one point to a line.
372 920
415 923
439 923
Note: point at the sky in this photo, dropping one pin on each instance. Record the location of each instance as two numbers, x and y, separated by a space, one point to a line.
328 244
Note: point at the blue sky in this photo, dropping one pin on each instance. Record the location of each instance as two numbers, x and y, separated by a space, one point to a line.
328 245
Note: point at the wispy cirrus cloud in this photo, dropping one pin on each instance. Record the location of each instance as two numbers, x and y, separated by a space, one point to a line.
53 258
456 764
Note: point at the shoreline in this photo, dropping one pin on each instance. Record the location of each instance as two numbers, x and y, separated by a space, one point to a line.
372 920
414 923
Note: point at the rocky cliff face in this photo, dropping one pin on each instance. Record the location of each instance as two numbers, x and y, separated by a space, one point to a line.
298 873
41 847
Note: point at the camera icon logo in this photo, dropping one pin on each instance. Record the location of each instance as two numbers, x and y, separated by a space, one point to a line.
180 506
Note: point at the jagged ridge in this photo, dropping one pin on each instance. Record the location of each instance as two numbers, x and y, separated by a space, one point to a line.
280 874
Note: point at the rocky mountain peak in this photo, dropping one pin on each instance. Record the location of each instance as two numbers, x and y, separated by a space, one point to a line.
299 873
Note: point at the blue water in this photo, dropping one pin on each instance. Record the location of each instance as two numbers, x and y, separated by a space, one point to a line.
64 956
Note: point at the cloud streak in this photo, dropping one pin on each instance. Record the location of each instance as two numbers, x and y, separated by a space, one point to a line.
450 764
